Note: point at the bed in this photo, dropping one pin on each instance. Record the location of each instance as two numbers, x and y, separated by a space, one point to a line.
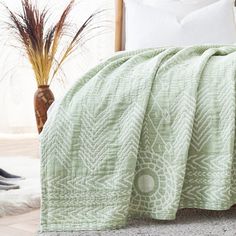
143 134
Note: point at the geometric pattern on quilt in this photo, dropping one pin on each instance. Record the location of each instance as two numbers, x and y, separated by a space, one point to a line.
145 133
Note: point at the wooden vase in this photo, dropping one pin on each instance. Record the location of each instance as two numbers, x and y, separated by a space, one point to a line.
43 99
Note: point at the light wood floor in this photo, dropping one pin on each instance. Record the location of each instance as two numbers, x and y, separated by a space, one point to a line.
19 145
21 225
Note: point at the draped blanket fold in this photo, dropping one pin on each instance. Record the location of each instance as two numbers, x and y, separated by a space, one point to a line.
141 135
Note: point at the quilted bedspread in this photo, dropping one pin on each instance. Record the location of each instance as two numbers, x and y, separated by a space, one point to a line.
143 134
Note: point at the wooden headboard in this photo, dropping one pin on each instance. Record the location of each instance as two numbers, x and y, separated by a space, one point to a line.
119 6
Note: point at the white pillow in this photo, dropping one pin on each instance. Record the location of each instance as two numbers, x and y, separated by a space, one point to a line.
158 23
180 8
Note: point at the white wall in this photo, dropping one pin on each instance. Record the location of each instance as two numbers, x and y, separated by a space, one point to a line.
17 85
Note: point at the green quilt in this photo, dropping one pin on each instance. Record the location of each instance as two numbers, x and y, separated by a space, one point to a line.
142 135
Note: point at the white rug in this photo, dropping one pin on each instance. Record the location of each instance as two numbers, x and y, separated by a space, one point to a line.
26 198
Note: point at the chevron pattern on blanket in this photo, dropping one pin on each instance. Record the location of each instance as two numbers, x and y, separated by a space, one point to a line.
143 134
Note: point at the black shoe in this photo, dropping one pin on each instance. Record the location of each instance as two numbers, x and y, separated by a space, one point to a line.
10 179
7 175
8 186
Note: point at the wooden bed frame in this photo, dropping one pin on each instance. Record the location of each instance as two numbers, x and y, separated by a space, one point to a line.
119 8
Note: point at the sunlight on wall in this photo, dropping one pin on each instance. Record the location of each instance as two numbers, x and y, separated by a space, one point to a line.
17 85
